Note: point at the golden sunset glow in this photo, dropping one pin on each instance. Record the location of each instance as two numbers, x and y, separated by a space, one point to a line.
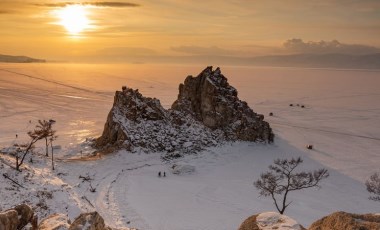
74 19
168 30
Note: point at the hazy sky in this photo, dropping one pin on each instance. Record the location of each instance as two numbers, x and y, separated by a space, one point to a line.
196 27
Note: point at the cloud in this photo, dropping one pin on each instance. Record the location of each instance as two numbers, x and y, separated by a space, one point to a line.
98 4
321 47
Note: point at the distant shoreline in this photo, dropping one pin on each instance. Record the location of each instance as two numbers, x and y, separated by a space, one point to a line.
19 59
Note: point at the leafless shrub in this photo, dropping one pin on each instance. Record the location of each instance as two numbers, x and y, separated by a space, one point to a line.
281 179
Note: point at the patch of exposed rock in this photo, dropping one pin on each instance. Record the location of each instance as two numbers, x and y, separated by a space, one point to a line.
89 221
22 216
17 217
180 169
9 219
210 99
347 221
56 221
207 112
249 224
25 214
268 221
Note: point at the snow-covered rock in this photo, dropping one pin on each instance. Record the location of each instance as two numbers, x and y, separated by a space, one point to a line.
269 221
183 169
139 123
56 221
347 221
89 221
25 214
207 112
211 100
17 217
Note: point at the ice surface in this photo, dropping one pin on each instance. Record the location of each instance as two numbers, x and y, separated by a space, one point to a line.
341 119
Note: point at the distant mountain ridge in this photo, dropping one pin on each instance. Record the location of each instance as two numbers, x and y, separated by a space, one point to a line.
19 59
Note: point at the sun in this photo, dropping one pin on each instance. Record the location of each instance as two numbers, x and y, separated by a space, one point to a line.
74 19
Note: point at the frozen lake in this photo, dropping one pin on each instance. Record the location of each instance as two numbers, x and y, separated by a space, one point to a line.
341 117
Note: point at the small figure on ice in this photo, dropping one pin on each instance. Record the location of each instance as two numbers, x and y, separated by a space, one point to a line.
164 174
159 174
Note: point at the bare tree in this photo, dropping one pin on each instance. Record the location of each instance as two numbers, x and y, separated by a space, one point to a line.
373 186
52 138
47 132
24 149
281 179
20 149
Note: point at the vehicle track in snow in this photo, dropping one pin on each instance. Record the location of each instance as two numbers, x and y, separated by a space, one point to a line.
54 82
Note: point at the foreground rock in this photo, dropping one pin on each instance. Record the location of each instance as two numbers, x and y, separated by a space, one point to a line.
269 221
9 219
207 112
89 221
22 216
56 221
347 221
25 214
17 217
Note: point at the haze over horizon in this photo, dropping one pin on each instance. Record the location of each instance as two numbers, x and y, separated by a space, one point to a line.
113 30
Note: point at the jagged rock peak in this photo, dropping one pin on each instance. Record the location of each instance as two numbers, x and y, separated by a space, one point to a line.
210 99
136 107
129 107
207 112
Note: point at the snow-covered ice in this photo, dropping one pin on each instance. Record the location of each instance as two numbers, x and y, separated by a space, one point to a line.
341 119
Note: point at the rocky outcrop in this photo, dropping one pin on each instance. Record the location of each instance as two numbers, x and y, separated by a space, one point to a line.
25 214
207 112
89 221
22 216
138 123
249 224
56 221
347 221
129 109
180 169
9 220
17 217
210 99
268 221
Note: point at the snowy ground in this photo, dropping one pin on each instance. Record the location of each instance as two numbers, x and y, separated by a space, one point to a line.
341 119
